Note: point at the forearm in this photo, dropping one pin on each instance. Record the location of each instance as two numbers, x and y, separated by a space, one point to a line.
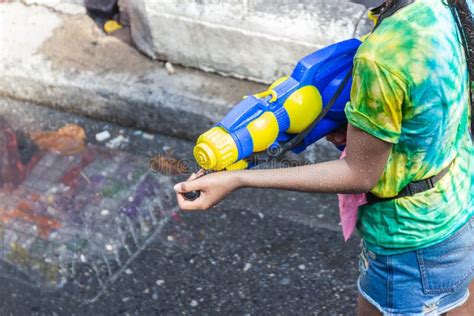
336 176
359 171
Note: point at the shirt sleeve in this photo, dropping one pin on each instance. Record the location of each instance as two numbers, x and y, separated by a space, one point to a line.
377 98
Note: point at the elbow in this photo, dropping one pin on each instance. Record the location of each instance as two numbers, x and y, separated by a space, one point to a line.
370 179
364 177
367 184
363 183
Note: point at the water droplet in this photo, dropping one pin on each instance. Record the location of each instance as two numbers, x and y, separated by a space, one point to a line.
285 281
247 266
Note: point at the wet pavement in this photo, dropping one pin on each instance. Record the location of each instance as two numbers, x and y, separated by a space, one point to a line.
86 227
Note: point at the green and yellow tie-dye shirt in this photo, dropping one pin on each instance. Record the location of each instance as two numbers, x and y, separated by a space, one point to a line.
410 88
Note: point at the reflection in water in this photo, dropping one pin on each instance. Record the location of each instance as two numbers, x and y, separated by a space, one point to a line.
75 220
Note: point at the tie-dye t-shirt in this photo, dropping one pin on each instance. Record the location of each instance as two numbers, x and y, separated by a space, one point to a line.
410 88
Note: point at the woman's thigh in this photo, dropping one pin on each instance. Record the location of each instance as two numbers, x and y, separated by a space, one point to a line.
364 308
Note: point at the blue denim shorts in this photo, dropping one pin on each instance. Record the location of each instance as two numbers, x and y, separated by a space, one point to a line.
428 281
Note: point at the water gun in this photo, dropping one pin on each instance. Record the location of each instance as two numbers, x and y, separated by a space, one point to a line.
293 113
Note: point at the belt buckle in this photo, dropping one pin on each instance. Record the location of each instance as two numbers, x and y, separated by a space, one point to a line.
419 186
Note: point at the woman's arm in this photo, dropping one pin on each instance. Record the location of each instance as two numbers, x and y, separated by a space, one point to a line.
358 172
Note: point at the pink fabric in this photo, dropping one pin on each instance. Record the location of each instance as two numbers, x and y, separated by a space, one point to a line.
348 206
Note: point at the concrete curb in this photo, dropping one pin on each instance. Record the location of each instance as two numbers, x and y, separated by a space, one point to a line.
257 40
64 61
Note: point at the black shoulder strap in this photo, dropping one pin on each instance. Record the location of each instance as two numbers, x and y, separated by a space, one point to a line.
385 12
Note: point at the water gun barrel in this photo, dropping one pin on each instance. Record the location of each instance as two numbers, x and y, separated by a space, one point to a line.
286 109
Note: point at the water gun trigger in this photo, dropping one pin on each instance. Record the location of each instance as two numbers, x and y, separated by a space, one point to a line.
265 94
270 91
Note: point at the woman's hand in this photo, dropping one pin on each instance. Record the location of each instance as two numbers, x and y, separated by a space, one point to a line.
214 187
338 137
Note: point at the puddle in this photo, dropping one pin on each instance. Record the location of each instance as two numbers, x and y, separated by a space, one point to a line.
76 219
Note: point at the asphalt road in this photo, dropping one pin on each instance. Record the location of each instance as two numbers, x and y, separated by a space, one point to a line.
259 253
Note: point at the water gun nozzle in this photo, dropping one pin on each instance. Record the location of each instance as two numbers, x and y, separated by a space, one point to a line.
205 156
215 149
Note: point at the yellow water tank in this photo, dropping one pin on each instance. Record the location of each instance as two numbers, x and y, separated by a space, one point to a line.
303 106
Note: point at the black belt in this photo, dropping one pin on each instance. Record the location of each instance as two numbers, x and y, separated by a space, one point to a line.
412 188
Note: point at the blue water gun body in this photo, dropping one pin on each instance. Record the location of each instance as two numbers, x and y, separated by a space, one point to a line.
288 108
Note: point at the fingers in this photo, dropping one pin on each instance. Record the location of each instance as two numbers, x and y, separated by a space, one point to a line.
185 204
188 186
193 176
330 138
213 188
337 139
340 138
196 205
200 173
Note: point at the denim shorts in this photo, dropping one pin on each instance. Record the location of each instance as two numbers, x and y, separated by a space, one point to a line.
428 281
